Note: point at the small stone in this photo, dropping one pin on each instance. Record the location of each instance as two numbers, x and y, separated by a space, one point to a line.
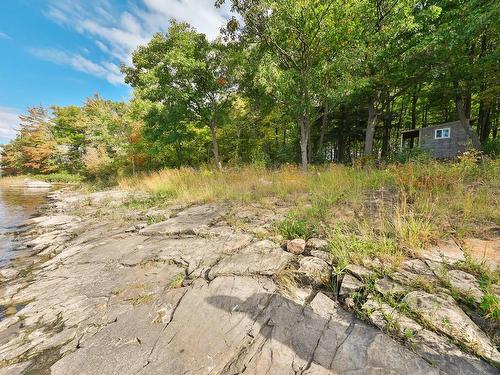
387 286
360 272
316 244
350 285
315 270
296 246
349 303
465 283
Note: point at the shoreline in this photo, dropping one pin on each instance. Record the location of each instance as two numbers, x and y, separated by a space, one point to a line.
106 288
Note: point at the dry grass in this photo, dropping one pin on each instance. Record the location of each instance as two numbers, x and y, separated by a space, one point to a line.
426 200
11 180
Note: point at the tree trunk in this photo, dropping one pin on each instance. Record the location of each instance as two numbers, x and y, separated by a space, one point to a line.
461 111
213 131
387 128
304 138
484 123
370 126
324 121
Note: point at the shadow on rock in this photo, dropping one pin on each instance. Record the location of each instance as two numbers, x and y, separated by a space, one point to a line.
318 337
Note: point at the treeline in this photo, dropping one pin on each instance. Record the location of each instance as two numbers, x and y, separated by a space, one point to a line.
287 82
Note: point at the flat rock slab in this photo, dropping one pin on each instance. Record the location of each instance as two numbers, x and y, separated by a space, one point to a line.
260 258
466 284
436 349
445 251
443 313
190 221
485 251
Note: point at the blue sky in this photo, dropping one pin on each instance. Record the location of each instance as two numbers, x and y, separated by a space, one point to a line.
59 52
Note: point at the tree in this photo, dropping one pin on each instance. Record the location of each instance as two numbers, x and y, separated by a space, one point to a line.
300 39
34 150
187 76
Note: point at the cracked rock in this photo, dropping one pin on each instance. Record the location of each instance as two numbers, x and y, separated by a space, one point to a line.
443 313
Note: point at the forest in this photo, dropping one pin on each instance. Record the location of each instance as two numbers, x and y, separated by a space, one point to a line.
287 82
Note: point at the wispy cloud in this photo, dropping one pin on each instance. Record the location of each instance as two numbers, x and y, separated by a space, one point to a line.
105 70
4 36
118 32
9 120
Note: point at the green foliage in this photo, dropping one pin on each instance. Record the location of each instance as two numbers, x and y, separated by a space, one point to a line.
289 81
302 224
490 305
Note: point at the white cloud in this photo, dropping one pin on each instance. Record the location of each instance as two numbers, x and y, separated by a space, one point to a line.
9 120
105 70
4 36
118 32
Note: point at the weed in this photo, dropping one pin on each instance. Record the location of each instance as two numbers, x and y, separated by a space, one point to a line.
490 305
177 281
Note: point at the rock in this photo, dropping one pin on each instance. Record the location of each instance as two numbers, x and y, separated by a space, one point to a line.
484 251
187 222
260 258
349 285
315 270
444 315
417 266
445 251
387 286
8 273
296 246
466 284
434 348
360 272
36 184
54 220
316 244
323 255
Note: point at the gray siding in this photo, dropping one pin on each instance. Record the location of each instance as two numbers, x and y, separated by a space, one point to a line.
448 147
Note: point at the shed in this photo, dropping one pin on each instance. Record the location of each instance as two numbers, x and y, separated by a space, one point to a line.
442 141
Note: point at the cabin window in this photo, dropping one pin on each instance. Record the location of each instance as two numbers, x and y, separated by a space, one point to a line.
442 133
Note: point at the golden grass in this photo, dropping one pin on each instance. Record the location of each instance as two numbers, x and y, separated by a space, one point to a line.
11 180
420 201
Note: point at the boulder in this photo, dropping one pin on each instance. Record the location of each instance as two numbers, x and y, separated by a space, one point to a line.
315 270
323 255
349 285
296 246
316 244
443 314
360 272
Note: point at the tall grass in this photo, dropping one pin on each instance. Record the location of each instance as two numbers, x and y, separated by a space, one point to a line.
413 204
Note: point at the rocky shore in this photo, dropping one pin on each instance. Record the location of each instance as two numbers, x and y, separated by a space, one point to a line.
108 288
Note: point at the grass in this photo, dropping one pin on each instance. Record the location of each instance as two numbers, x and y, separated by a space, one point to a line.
61 178
388 211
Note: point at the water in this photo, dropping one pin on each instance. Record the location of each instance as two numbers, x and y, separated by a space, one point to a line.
17 204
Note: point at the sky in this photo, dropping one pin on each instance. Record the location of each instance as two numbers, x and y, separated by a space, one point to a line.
59 52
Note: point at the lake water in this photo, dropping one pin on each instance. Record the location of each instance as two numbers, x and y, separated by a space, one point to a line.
16 205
